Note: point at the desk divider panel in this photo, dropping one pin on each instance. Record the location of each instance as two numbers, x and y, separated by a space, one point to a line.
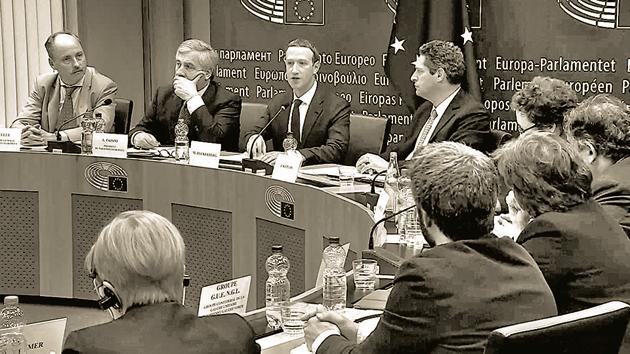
90 213
292 239
19 251
207 234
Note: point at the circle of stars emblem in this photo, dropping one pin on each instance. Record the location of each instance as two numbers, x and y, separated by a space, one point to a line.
297 8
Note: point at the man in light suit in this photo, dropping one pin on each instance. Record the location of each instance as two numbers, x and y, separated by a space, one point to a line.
450 297
318 119
137 266
58 98
600 129
449 113
211 112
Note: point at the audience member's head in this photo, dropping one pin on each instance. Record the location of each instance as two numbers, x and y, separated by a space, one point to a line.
542 104
599 128
302 63
455 188
139 257
544 172
439 68
196 59
66 56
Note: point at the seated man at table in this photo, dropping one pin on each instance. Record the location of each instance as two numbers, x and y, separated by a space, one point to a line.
137 265
58 98
318 119
450 297
449 113
211 112
600 129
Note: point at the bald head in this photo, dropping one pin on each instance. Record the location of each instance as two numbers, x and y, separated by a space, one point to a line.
66 56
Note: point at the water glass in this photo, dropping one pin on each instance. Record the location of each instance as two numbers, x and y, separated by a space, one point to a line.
414 234
292 313
346 176
364 273
410 216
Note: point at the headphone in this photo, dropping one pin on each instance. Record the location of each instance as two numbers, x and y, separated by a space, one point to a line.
108 297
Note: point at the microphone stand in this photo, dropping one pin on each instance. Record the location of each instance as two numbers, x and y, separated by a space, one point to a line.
69 146
254 165
371 240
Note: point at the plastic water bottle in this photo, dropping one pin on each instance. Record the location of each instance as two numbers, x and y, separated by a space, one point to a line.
12 340
289 143
334 276
88 125
181 141
99 123
277 288
391 183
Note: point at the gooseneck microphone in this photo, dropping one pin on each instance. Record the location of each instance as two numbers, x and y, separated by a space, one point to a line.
371 240
372 189
259 135
107 102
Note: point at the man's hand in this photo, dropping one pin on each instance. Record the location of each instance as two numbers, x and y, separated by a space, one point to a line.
32 135
144 140
184 88
270 157
256 147
371 162
347 327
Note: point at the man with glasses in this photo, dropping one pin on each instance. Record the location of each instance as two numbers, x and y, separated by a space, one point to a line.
211 112
318 119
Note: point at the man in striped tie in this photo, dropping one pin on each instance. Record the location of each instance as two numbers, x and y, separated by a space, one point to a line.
449 113
54 108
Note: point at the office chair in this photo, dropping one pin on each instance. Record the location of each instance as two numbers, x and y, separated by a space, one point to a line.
367 134
122 117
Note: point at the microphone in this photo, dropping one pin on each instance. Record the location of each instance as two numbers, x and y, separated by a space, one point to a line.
107 102
371 240
252 164
372 189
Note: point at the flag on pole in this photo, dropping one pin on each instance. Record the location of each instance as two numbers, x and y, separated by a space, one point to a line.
417 22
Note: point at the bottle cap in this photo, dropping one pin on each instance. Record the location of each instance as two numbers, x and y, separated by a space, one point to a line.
11 300
276 248
333 240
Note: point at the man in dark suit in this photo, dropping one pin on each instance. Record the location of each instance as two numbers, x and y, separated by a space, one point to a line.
600 129
211 112
317 118
449 298
137 265
449 113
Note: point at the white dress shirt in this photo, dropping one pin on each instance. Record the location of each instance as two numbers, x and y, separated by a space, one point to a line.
306 99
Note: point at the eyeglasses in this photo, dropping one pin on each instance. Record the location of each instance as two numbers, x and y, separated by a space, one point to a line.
521 130
165 152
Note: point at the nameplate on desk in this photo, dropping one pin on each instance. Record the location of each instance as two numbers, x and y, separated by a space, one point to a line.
43 337
226 297
204 154
10 139
109 145
287 167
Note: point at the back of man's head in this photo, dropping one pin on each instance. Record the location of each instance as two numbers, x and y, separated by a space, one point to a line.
457 188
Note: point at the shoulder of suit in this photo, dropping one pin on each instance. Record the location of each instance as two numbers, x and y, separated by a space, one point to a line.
46 79
98 78
225 93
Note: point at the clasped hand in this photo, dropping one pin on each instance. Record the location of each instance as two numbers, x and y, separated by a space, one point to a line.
322 320
34 135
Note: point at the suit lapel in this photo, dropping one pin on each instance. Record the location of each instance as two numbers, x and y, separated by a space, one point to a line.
281 123
53 105
84 103
420 118
449 113
312 114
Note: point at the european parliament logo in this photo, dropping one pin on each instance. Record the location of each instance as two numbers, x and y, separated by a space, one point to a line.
106 176
599 13
280 202
287 12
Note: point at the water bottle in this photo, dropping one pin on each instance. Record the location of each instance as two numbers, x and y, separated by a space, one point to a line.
391 183
405 199
88 125
289 143
277 287
181 141
334 276
12 340
99 123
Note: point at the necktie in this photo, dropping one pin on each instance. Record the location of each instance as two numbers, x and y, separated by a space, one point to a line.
295 119
424 132
67 112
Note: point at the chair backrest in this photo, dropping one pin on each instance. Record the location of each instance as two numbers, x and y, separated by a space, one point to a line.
367 134
250 113
599 329
499 137
122 117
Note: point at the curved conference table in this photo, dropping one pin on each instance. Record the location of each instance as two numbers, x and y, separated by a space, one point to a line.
52 207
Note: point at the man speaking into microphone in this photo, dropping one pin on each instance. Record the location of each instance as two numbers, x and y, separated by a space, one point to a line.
211 112
59 99
318 119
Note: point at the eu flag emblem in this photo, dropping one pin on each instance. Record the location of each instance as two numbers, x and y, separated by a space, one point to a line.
304 12
287 210
117 183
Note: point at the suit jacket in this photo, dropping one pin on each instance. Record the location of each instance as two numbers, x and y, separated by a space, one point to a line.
325 133
584 255
42 106
217 121
612 191
449 298
165 328
465 121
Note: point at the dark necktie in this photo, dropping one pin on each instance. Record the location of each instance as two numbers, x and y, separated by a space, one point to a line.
67 112
295 119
